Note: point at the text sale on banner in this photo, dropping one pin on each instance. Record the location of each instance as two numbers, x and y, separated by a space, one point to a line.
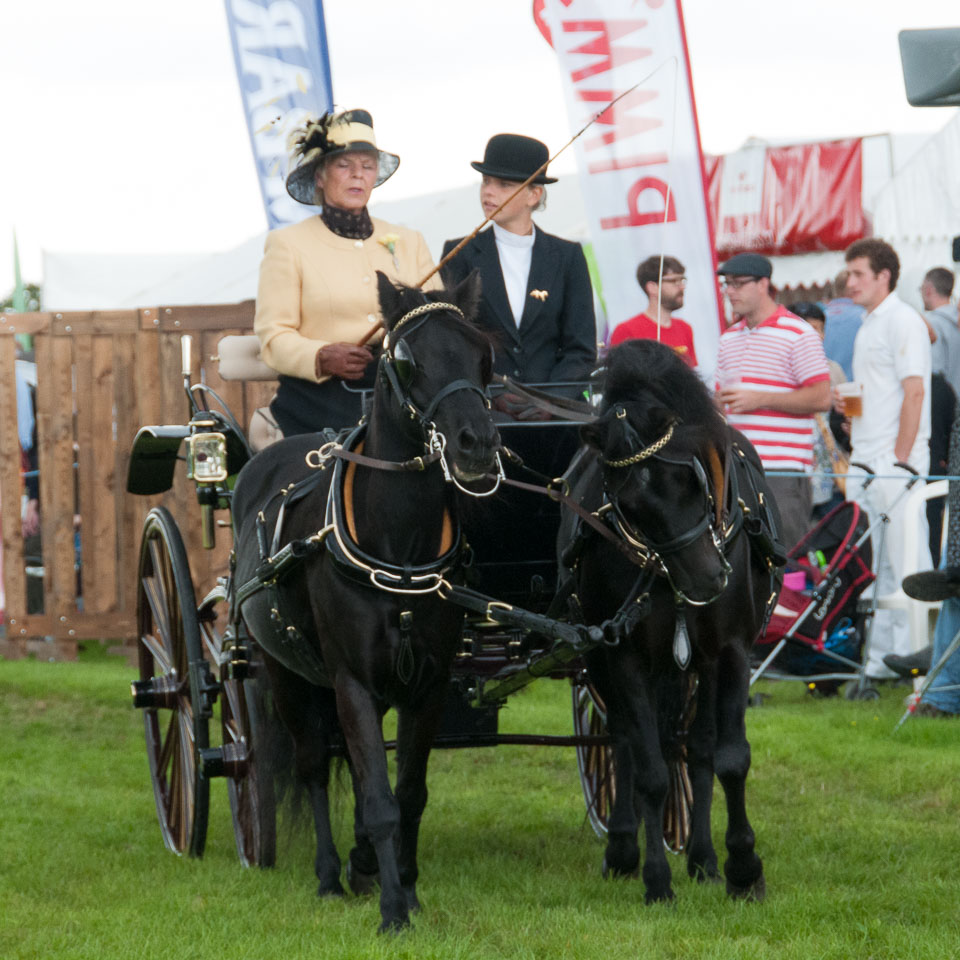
641 170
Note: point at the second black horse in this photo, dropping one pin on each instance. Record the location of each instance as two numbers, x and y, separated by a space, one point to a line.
683 592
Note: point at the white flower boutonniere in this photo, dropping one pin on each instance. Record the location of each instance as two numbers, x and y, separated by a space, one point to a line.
390 240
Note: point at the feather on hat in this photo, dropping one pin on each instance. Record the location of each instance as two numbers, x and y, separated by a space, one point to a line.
333 133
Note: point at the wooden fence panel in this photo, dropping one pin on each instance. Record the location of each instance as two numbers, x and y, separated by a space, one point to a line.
100 376
133 400
14 574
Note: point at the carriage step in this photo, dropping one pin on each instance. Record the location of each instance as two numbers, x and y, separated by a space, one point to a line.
230 760
206 686
157 693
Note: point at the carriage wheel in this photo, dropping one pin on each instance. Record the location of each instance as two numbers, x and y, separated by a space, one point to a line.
167 691
249 784
598 778
594 761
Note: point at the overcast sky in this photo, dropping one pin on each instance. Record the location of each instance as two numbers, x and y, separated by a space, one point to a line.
123 129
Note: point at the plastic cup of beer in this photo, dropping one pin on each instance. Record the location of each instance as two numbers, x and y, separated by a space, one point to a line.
852 396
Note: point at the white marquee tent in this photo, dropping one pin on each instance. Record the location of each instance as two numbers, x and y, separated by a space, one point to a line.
910 188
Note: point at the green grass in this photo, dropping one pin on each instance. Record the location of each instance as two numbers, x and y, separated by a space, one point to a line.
857 828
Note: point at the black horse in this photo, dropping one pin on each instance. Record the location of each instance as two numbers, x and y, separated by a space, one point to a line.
683 591
355 624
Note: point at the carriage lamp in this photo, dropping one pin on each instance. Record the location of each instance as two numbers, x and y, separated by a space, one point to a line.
207 457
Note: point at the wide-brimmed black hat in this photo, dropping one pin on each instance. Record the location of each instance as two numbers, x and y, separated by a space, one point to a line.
510 156
746 265
334 133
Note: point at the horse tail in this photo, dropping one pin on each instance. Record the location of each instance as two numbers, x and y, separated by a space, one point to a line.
289 767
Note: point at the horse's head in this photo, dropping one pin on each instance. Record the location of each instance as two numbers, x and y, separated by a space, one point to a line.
438 365
657 471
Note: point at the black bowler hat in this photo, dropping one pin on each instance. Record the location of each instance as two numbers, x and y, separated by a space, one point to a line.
746 265
509 156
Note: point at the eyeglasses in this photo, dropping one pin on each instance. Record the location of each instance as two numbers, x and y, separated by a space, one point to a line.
738 282
679 281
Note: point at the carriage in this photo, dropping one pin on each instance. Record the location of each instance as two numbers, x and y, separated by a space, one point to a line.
199 685
670 565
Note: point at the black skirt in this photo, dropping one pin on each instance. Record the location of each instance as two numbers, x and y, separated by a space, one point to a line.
301 406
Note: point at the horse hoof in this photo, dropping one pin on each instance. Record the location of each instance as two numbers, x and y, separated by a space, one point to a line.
753 892
705 873
362 884
607 871
394 926
667 896
331 890
413 903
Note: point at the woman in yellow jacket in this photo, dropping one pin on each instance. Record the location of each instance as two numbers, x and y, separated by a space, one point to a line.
317 296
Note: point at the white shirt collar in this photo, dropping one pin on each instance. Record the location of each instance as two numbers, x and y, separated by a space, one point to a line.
884 305
513 239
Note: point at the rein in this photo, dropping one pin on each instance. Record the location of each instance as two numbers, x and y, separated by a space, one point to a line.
636 554
559 406
316 459
434 441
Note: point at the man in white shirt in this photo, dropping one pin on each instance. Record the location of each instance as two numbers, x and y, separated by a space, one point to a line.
891 361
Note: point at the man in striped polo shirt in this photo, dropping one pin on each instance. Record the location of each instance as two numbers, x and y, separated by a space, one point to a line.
772 377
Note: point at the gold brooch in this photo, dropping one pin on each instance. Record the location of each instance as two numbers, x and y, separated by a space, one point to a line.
540 295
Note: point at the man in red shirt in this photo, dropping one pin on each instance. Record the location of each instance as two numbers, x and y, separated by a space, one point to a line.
662 280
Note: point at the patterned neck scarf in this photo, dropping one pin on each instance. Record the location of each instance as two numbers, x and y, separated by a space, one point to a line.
347 223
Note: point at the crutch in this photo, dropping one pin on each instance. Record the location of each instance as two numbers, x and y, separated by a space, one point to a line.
884 518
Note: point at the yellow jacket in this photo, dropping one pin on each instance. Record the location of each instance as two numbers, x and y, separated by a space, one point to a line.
317 288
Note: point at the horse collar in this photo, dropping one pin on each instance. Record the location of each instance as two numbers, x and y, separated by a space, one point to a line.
355 563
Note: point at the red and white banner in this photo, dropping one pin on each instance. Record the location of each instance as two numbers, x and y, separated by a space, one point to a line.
783 200
640 165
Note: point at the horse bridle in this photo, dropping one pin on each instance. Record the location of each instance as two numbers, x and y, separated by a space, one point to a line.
658 551
398 367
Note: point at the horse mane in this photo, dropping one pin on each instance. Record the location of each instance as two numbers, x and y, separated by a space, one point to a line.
397 299
656 386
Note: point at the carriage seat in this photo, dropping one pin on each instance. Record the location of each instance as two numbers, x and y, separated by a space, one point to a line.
239 359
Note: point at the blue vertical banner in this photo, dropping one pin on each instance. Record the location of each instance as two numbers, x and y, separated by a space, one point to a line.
280 49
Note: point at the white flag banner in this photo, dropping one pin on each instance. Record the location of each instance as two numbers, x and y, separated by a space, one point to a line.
641 171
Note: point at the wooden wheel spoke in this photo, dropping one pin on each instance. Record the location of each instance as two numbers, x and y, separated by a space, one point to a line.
232 713
187 761
212 642
158 651
157 602
168 748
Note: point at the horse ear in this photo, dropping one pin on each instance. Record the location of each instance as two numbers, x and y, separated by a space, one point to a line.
390 297
466 294
594 434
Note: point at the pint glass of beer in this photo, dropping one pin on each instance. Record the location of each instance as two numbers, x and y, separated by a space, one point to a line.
852 396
